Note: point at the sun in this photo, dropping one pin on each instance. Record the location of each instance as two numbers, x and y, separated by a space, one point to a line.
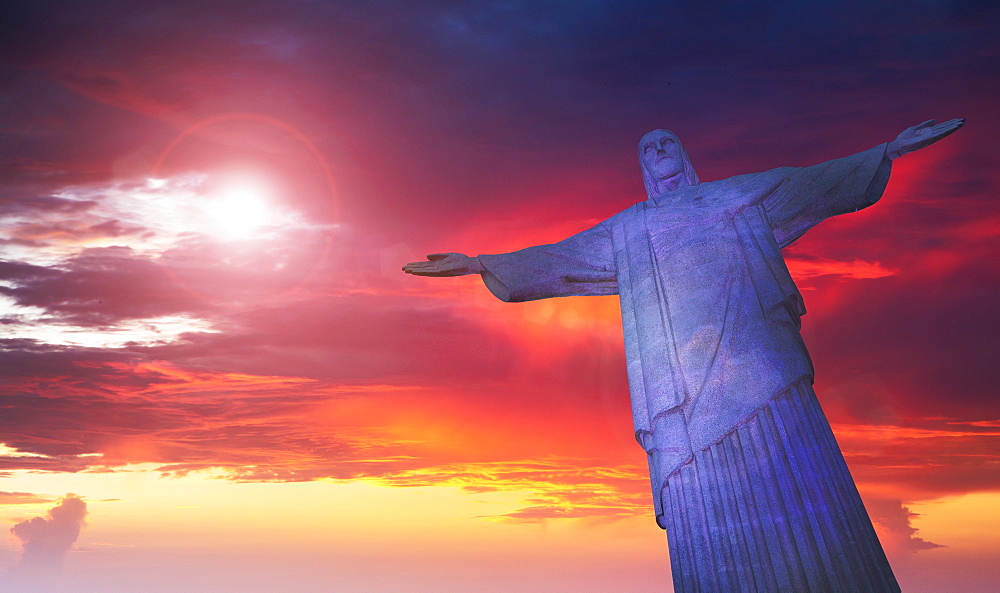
240 205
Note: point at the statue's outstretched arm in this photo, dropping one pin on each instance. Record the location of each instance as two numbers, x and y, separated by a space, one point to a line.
921 135
581 265
445 264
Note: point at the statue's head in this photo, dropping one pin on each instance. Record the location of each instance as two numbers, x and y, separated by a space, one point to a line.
665 163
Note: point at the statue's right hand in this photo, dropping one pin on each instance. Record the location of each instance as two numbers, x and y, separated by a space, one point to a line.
921 135
445 264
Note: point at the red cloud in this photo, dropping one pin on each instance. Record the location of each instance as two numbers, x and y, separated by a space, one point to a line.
858 270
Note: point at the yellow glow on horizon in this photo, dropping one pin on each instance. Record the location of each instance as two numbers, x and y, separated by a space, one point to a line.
200 533
200 510
968 521
138 518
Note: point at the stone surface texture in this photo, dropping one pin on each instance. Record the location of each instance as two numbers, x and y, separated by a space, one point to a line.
747 477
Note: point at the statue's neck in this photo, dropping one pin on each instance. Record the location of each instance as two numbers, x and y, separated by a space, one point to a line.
669 183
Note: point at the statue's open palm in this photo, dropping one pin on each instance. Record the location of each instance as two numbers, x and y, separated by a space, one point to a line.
444 264
921 135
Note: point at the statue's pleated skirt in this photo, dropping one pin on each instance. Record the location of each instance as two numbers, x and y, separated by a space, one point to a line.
772 508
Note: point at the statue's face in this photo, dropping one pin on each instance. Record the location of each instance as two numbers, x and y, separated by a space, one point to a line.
661 154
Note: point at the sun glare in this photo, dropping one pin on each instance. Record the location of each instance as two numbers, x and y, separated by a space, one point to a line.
240 206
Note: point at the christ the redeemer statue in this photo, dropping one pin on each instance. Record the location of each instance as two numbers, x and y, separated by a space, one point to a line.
747 478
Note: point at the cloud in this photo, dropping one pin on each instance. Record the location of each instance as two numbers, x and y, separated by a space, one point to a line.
110 412
22 498
69 412
892 520
556 488
136 413
99 287
44 543
928 459
142 262
802 268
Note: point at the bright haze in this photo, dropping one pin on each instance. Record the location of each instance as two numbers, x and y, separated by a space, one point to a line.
205 206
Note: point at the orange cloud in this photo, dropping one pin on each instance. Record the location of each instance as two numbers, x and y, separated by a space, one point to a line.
921 462
562 488
819 266
22 498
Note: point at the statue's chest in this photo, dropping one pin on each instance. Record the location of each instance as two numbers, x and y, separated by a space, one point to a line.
701 269
685 244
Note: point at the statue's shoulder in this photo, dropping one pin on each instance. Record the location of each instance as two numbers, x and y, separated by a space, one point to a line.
629 213
764 177
749 188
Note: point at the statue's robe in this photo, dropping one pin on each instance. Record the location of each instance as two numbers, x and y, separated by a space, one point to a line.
746 475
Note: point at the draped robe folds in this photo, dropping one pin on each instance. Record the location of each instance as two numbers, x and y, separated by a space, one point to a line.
710 312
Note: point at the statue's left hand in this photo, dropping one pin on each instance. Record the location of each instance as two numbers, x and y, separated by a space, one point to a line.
921 135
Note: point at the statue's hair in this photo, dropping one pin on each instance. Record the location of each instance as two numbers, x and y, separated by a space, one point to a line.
690 177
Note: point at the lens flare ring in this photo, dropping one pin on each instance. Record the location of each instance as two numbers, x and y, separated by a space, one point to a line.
297 135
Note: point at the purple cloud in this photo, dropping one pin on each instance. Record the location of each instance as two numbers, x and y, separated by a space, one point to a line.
44 543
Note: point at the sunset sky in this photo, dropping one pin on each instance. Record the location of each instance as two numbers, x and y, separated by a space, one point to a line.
214 377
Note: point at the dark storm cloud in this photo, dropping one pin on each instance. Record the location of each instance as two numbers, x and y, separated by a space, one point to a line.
15 271
40 234
24 357
26 206
99 287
